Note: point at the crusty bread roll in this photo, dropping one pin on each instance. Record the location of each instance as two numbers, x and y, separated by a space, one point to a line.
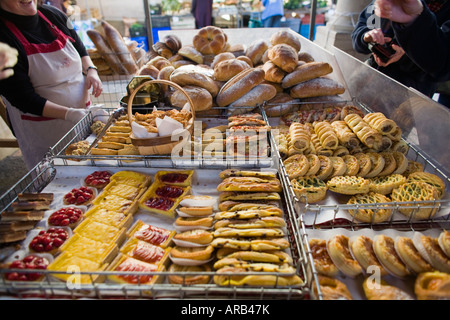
172 42
256 96
201 98
317 87
159 62
227 69
195 76
191 53
221 57
305 72
246 59
148 70
256 50
305 56
284 56
210 40
106 52
239 85
273 73
287 37
162 50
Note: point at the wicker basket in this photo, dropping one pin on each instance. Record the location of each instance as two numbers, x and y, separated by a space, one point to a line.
158 145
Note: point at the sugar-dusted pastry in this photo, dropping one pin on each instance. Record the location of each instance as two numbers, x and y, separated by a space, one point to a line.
314 164
365 164
345 135
296 165
444 242
378 164
299 136
431 179
379 122
416 191
386 184
321 259
348 185
430 250
337 247
309 189
366 134
384 248
326 168
409 254
361 247
376 213
339 167
413 166
327 136
381 290
401 161
389 163
332 289
432 286
351 165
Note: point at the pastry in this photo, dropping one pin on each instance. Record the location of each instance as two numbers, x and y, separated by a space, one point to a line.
155 235
381 290
313 164
245 196
49 241
321 259
415 191
193 274
326 168
373 214
378 163
365 164
384 248
413 166
432 286
251 244
252 184
349 185
198 236
299 136
430 250
66 217
277 257
296 166
361 247
193 253
389 164
409 254
309 189
339 167
232 206
123 265
341 151
444 242
98 179
100 232
331 289
351 165
345 135
28 262
89 249
385 185
431 179
365 133
379 122
337 247
262 222
401 161
247 173
327 135
194 222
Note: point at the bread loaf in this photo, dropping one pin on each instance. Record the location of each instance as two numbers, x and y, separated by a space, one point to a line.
273 73
317 87
196 76
106 52
210 40
256 96
306 72
221 57
227 69
284 56
201 98
256 50
191 53
287 37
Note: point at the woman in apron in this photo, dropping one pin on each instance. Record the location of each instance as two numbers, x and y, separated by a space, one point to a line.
48 92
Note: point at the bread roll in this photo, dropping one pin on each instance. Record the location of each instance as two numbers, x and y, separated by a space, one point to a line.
148 70
210 40
273 73
256 96
284 56
306 72
195 76
172 42
201 98
280 105
162 50
221 57
256 50
316 88
287 37
227 69
305 57
191 53
105 50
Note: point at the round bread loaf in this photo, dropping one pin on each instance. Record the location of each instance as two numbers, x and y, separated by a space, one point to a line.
287 37
280 105
191 53
221 57
239 85
256 50
227 69
196 76
317 87
172 42
201 98
164 73
210 40
284 56
273 73
148 70
306 72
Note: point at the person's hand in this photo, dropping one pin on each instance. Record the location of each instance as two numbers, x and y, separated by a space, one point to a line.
8 59
375 35
93 81
401 11
399 52
98 113
75 115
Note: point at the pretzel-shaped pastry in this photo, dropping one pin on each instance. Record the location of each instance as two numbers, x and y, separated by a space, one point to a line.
326 134
366 134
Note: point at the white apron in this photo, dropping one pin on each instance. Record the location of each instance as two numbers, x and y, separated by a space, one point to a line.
55 72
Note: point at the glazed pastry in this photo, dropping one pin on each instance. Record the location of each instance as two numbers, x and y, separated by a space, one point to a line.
352 165
379 122
401 161
326 168
376 213
314 165
175 276
206 222
309 189
432 286
378 163
348 185
322 261
252 184
389 164
194 253
262 222
248 233
365 133
198 236
361 248
337 247
365 164
332 289
341 151
410 256
251 244
327 136
430 250
431 179
296 166
299 136
444 242
339 167
345 135
384 248
415 191
277 257
383 291
385 185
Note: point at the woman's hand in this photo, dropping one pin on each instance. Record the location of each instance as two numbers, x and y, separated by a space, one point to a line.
399 52
401 11
93 81
8 59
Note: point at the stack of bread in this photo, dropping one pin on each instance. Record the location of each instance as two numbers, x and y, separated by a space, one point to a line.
418 256
249 232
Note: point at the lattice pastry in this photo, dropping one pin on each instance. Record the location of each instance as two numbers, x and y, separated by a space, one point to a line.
345 135
431 179
379 122
365 133
299 135
348 185
327 136
309 189
416 191
374 214
296 166
385 185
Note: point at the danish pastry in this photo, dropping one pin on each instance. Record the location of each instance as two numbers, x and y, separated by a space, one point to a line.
444 242
332 289
430 250
370 215
349 185
379 122
296 166
384 249
411 256
383 291
345 135
431 179
309 189
321 259
378 164
416 191
385 185
432 286
361 248
337 247
351 165
191 277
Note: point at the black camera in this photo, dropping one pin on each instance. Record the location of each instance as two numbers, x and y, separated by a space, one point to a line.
384 52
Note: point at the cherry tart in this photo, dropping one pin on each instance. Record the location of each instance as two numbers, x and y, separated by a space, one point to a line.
98 179
33 262
49 241
82 196
66 217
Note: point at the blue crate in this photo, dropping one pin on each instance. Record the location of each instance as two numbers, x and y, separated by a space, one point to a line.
304 30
